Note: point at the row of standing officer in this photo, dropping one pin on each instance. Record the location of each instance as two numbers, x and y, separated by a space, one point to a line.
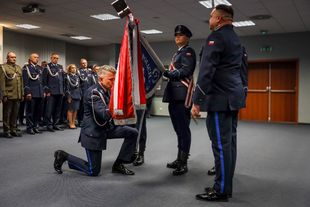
34 83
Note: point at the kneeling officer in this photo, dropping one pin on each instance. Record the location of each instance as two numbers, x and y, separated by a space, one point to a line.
98 126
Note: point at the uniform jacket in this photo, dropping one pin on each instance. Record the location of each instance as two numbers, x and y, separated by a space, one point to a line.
32 76
94 78
184 61
72 86
97 119
11 81
219 85
53 83
85 79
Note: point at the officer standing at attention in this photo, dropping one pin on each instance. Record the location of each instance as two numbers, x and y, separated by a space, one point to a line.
53 84
180 75
219 91
33 90
11 90
98 126
85 79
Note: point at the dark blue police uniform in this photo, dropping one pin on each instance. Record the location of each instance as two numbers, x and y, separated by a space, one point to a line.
180 76
73 91
85 82
53 83
32 76
97 127
220 92
184 62
94 78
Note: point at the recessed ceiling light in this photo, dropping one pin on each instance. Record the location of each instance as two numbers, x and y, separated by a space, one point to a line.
208 3
151 31
27 26
80 37
243 24
104 17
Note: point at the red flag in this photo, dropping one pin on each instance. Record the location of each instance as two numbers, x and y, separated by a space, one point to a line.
128 91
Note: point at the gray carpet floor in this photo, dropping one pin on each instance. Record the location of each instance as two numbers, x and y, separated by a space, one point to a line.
272 170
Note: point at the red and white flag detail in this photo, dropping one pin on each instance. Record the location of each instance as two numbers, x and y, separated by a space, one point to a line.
128 92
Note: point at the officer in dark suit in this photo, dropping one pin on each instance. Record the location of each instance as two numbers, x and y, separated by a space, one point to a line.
33 90
86 81
98 126
53 84
180 76
220 92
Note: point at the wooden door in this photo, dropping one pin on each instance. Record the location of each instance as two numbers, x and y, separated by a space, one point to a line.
257 99
272 92
283 92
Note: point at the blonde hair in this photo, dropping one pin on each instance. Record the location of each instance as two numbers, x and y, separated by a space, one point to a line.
69 68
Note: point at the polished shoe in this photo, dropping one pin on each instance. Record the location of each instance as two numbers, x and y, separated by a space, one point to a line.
139 160
60 157
212 171
212 195
120 168
7 135
173 165
36 130
30 131
50 129
57 128
209 189
182 164
16 134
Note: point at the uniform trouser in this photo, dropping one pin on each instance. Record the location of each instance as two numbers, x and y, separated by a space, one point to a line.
80 113
53 109
10 114
92 166
33 112
141 126
180 117
21 112
222 129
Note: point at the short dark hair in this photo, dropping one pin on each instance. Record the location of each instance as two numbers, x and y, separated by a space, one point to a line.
227 9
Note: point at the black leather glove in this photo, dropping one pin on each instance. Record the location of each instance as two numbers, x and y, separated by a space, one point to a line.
166 73
172 75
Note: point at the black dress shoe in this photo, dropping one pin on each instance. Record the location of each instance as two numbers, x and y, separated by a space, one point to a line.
16 134
210 189
50 129
30 131
36 130
57 128
181 169
212 171
174 164
8 135
60 158
120 168
139 160
212 195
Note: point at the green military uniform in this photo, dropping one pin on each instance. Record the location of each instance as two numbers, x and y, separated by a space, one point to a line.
11 89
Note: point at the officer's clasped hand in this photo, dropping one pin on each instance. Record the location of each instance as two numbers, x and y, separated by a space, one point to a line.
166 73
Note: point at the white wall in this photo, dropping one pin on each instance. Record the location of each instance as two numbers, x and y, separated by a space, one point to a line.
104 55
23 45
74 53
